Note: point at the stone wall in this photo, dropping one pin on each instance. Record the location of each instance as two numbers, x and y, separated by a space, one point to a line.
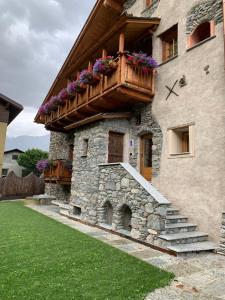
62 193
119 188
204 11
59 149
85 168
148 12
221 249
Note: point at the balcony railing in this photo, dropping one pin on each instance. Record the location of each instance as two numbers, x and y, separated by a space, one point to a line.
127 85
59 172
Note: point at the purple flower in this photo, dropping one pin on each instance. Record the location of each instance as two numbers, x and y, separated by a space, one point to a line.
143 60
75 87
42 165
88 77
63 95
103 65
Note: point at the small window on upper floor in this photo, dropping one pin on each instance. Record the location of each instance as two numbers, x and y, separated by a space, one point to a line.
15 157
201 33
181 141
85 148
170 43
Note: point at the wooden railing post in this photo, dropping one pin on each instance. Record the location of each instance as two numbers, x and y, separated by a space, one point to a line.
122 59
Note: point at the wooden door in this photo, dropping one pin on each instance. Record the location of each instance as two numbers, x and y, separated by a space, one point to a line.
115 148
146 156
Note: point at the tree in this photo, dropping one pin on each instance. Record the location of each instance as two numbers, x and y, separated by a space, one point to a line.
29 159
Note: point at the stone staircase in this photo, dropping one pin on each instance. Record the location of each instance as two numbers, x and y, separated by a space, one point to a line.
182 237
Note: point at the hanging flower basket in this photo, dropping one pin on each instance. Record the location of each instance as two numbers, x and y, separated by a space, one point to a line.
75 87
88 77
45 109
42 165
54 103
142 60
104 66
63 95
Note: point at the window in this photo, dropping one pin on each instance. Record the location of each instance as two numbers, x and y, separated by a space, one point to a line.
5 172
15 157
85 148
115 147
169 43
181 140
77 210
201 33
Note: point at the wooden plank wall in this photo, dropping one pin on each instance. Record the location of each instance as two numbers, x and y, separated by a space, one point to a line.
13 186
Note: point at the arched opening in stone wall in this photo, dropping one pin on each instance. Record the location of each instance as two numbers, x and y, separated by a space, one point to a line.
201 33
126 216
108 213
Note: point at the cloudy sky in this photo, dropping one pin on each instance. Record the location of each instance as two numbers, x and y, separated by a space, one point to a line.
36 36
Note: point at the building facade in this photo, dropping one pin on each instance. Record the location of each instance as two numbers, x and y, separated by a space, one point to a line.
166 127
10 163
9 109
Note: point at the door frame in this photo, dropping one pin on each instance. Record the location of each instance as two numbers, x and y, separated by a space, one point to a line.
141 154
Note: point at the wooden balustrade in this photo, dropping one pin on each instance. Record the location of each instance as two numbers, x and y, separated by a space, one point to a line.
58 172
127 84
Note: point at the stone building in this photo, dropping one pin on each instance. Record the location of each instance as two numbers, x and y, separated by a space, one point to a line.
147 149
10 163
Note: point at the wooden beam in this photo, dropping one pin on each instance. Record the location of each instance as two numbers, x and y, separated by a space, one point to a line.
101 116
121 42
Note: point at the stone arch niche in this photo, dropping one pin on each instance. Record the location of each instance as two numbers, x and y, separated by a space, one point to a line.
205 11
108 213
125 217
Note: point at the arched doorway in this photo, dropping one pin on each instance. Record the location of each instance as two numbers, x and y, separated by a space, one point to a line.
126 216
108 213
146 156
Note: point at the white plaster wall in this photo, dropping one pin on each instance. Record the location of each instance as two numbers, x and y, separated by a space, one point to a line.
196 184
11 164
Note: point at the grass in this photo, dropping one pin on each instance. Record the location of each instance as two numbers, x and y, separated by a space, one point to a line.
43 259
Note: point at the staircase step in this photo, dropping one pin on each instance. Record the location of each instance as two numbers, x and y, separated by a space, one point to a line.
193 247
184 237
172 211
180 227
175 219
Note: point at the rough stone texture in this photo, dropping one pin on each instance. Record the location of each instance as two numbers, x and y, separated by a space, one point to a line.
60 192
59 149
59 145
148 12
148 125
85 185
221 249
204 11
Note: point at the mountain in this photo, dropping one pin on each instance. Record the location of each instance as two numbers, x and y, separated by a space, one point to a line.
25 142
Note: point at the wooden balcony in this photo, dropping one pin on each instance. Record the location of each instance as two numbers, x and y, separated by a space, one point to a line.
59 172
127 85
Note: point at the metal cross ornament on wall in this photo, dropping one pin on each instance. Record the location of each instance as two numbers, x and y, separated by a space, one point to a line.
171 90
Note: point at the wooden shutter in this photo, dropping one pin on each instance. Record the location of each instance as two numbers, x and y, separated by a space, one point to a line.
115 148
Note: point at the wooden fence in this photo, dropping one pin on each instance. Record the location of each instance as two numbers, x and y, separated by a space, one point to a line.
13 186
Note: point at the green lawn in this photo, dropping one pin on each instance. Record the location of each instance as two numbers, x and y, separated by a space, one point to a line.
43 259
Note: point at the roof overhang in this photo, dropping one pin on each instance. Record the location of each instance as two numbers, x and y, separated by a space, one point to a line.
106 20
13 107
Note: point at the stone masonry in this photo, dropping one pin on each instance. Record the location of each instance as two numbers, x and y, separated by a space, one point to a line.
120 189
204 11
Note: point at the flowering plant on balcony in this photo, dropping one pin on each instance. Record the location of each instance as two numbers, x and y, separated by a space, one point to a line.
88 77
104 66
54 103
63 95
147 63
75 87
45 109
42 165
